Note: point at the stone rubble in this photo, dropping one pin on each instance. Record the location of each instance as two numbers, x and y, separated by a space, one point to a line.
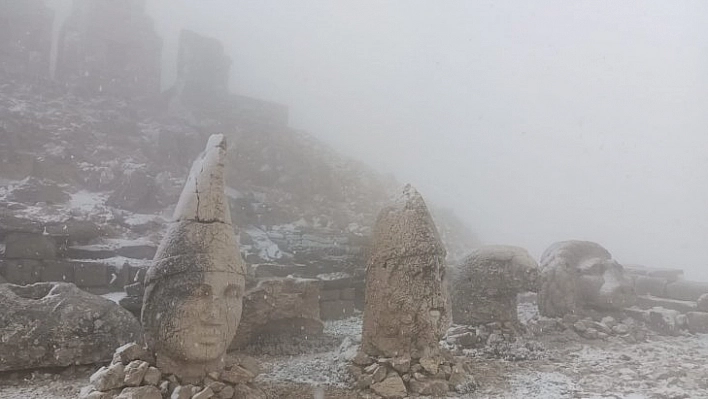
130 375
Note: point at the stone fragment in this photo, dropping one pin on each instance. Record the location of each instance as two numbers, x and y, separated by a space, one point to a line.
247 391
107 378
391 388
143 392
486 283
182 392
227 392
236 375
152 376
58 325
364 381
135 372
380 373
205 393
216 386
249 364
435 388
578 276
430 364
131 351
401 364
194 288
30 246
362 359
407 305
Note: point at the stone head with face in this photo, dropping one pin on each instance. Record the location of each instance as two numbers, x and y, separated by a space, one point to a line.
194 289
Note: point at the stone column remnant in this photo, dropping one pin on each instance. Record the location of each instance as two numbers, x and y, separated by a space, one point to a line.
194 289
407 304
487 282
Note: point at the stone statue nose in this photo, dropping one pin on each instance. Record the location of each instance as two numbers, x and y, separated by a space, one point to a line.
214 313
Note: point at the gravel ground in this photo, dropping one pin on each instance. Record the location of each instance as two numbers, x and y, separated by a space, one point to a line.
571 367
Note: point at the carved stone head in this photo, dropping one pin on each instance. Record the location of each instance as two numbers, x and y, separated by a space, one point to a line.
194 289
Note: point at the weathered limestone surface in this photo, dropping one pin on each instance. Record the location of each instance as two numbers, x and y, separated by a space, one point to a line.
578 275
407 306
57 324
194 289
486 283
280 307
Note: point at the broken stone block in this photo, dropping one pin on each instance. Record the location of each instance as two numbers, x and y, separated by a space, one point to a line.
135 372
22 271
107 378
91 274
391 388
30 246
57 270
57 325
684 290
143 392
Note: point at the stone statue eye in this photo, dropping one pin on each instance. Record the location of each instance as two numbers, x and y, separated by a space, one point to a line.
231 291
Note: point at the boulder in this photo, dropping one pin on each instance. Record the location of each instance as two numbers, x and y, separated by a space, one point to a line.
279 307
57 325
577 276
486 283
407 307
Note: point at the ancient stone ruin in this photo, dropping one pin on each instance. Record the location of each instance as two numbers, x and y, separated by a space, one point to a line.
192 302
111 47
580 276
407 308
194 288
485 285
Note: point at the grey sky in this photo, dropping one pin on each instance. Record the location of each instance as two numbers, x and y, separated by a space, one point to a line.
536 121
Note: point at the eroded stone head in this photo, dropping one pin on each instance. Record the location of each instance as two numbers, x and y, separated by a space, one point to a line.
194 289
407 304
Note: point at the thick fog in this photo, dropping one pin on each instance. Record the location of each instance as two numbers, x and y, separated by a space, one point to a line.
536 121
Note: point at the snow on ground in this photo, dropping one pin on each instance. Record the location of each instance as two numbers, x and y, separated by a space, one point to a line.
573 368
115 296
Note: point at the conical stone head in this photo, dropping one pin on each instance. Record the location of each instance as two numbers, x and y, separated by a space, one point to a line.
194 288
407 304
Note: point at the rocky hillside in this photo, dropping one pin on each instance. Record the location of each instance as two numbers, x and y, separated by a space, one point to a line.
98 154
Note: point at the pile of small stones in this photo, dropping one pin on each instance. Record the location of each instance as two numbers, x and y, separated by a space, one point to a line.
394 378
627 329
132 375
